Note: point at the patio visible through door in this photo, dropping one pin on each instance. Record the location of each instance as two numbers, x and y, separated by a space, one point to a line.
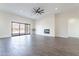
19 28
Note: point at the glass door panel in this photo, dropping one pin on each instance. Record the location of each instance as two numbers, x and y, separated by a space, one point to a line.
28 29
22 29
15 29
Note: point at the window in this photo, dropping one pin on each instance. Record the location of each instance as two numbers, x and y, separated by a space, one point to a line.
20 28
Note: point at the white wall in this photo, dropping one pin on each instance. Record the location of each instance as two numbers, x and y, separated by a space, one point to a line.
73 25
5 23
45 23
61 25
67 24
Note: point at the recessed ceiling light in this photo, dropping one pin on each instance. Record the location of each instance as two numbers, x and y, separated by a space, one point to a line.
56 8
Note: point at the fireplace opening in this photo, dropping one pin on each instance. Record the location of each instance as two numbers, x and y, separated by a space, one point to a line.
47 31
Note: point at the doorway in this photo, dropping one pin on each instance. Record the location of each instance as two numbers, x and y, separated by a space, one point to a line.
18 29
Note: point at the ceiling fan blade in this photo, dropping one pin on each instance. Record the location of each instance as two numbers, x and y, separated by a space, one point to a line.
41 10
40 13
38 9
34 9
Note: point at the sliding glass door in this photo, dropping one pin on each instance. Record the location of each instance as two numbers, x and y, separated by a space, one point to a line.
20 29
15 29
27 28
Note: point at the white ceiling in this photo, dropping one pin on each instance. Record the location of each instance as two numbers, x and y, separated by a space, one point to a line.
25 9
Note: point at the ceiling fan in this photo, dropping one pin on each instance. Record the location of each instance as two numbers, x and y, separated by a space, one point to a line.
38 11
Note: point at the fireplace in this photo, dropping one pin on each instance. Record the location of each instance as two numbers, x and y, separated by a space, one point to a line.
47 31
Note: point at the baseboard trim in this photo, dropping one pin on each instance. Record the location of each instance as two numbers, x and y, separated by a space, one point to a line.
60 37
4 37
44 35
74 37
